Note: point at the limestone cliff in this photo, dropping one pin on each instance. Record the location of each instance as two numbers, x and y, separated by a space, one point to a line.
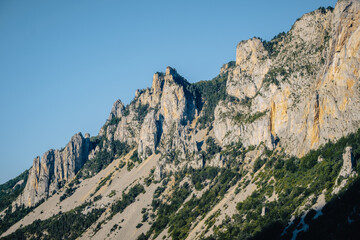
117 110
196 161
157 113
297 91
304 84
148 139
50 173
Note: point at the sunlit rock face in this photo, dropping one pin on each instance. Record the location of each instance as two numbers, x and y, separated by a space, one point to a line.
297 91
49 173
306 84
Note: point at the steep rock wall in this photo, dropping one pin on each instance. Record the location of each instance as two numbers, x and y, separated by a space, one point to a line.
56 167
307 85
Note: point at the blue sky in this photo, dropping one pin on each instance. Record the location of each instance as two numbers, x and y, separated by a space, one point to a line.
64 63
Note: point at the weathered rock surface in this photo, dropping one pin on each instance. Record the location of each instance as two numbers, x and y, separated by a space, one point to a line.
148 139
158 115
294 93
307 86
252 63
54 169
347 170
117 110
297 91
348 163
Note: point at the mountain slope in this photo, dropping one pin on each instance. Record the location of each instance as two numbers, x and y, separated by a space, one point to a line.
267 149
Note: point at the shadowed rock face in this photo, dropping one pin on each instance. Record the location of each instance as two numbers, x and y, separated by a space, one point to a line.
54 169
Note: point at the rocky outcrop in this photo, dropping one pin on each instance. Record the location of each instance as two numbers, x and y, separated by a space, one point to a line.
158 173
117 110
252 63
227 67
347 170
231 125
298 90
348 163
176 105
158 114
127 130
50 173
148 139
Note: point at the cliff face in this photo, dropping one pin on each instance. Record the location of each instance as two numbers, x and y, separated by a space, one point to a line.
50 173
206 147
157 113
297 91
305 83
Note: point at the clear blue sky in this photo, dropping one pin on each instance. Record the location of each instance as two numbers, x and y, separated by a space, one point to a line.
64 63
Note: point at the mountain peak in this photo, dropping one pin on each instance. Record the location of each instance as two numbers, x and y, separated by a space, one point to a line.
258 146
171 71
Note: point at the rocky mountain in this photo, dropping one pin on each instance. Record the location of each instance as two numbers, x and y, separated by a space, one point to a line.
268 149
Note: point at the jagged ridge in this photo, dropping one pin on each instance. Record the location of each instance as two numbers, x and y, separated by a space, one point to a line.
292 94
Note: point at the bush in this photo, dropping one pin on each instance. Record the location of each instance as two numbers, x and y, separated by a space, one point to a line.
68 192
290 165
130 165
135 157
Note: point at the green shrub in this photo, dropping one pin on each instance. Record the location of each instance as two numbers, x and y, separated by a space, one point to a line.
130 165
241 118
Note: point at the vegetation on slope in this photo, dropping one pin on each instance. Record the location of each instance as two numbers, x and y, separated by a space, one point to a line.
178 215
104 157
10 190
13 217
211 93
295 181
127 199
340 218
69 225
